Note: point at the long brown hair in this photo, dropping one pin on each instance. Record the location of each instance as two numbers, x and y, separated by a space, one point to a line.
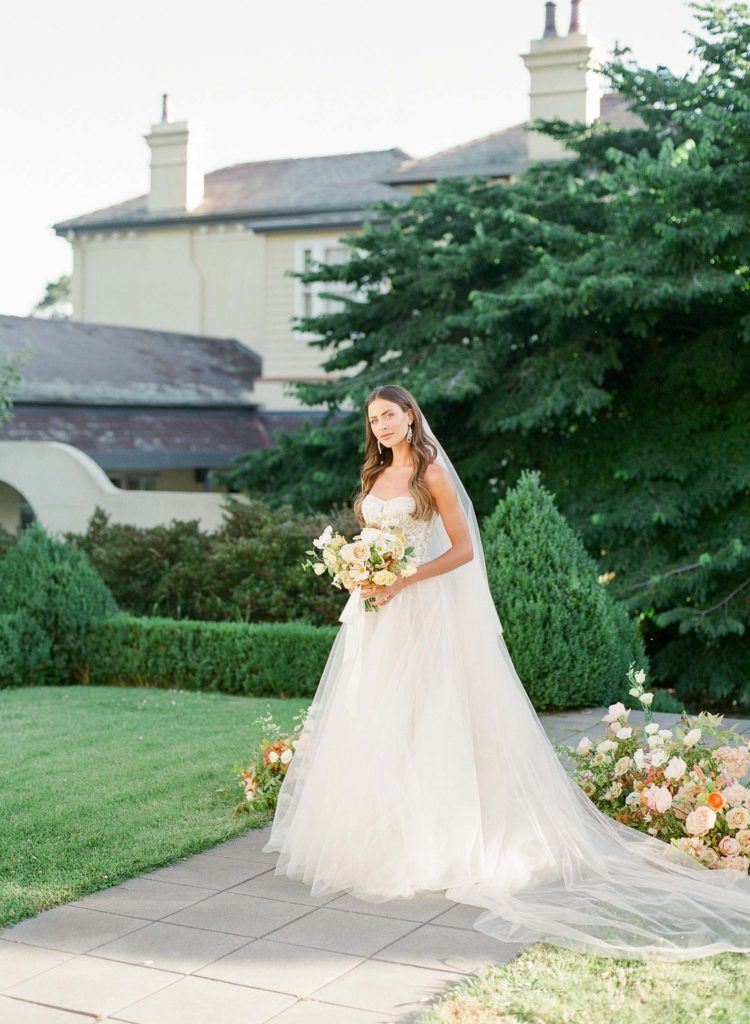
422 449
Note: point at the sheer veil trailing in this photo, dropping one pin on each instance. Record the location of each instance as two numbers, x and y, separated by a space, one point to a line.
555 868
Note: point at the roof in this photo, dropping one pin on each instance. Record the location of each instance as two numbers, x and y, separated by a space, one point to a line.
146 438
253 192
99 364
500 154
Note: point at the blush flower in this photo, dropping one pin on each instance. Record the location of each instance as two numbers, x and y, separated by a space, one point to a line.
700 821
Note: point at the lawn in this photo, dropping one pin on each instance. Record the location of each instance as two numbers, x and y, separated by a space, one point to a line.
547 985
101 783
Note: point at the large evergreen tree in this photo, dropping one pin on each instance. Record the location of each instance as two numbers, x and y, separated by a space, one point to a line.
591 320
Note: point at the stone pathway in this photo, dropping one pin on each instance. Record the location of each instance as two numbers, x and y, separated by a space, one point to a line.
218 938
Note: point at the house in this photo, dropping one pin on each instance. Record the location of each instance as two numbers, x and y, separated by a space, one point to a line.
210 254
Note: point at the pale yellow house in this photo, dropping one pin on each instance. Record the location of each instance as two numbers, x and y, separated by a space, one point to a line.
209 254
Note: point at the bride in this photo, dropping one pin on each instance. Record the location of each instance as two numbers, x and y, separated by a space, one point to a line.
422 764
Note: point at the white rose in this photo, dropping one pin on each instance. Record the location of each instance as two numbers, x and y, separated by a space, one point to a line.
675 769
605 746
622 765
658 798
370 535
584 746
615 712
692 737
640 759
657 756
652 727
665 733
655 741
625 733
646 698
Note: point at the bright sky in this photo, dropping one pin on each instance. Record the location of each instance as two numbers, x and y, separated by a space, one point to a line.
82 81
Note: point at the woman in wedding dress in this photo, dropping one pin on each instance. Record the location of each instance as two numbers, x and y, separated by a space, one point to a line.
422 764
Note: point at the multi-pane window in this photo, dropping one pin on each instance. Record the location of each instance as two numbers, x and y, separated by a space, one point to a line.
308 300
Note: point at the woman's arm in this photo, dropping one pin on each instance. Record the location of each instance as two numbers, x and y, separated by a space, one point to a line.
440 486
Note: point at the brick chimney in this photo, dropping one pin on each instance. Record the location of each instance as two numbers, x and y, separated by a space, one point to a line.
562 84
176 163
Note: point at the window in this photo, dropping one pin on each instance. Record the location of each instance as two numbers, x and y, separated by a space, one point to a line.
307 299
135 481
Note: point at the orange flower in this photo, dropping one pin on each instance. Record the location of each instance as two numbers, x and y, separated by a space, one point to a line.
715 801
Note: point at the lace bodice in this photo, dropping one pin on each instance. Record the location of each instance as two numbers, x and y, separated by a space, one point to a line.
399 511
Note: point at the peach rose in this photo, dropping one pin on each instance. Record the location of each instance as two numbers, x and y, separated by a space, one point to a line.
738 817
700 820
729 846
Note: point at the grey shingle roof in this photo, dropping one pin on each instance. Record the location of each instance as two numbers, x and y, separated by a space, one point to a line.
83 363
268 188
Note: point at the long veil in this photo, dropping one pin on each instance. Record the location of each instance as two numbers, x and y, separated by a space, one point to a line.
555 867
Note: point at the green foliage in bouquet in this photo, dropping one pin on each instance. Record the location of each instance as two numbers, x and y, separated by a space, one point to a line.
591 320
247 571
54 585
570 640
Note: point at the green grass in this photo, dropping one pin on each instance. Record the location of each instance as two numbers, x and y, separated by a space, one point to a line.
101 783
547 985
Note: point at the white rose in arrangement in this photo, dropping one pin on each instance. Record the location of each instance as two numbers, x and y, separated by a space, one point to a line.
355 552
692 737
675 769
286 756
319 568
370 535
584 746
605 746
700 820
665 734
324 538
639 758
625 733
646 698
738 817
384 578
658 798
655 741
652 727
640 677
736 794
622 765
657 756
616 711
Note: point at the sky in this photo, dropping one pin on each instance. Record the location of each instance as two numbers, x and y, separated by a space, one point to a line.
81 83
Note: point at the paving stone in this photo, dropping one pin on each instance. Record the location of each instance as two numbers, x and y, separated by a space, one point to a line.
280 966
170 947
144 898
208 872
343 932
93 986
396 989
422 907
240 915
280 887
13 1011
313 1012
71 928
203 1001
452 949
460 915
19 961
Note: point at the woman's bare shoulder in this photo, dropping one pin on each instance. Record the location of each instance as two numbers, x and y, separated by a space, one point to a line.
438 480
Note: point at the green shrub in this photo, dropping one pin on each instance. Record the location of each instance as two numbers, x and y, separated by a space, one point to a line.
259 659
53 584
24 650
570 641
247 571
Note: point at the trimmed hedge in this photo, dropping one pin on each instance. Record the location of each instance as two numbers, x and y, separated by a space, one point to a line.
570 641
258 659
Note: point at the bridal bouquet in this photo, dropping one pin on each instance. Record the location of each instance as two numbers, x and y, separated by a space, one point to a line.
671 784
261 779
378 555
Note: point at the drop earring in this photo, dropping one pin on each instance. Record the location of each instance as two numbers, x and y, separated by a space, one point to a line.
380 450
408 434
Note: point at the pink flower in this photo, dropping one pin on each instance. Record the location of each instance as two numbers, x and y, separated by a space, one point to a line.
658 798
700 820
729 846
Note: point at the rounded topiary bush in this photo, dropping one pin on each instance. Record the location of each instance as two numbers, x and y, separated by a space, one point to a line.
570 641
61 600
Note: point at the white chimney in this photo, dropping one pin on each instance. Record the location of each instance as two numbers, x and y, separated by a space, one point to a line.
177 149
562 85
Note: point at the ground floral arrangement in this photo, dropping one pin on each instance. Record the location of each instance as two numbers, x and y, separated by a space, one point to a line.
671 783
261 779
378 555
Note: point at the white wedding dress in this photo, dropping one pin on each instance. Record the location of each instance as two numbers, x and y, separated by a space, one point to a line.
423 766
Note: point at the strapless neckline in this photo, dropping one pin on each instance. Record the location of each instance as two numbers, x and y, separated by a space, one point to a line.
399 497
